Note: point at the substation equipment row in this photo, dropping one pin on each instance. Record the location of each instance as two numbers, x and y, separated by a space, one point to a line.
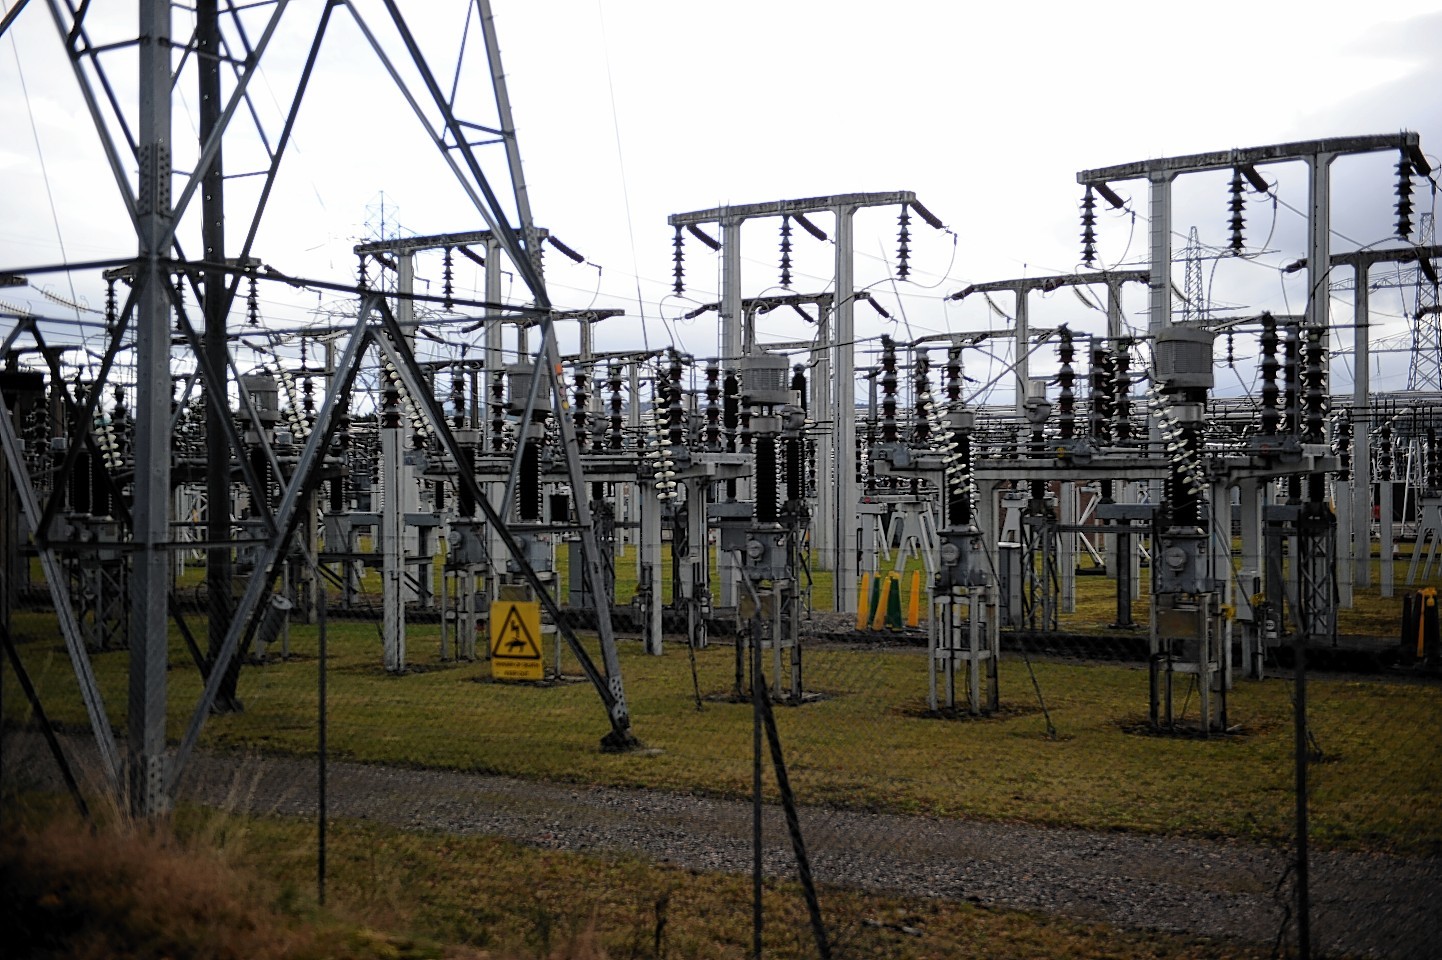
1003 509
1121 455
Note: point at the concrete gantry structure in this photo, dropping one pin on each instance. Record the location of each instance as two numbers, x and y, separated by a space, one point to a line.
835 536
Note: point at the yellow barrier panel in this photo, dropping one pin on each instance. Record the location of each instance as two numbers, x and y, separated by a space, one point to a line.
1428 596
879 620
863 602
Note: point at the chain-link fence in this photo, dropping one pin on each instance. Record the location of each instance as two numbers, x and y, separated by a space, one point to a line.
1091 791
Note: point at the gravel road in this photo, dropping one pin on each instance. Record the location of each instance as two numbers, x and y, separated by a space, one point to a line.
1363 905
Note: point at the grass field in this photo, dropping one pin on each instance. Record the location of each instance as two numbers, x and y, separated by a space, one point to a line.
867 743
217 884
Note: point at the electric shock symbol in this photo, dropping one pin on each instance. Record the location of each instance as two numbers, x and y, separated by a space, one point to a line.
517 643
515 640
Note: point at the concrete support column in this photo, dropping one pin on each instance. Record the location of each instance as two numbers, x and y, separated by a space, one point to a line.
392 529
823 406
1345 569
648 561
730 293
1319 266
728 573
1159 209
1159 284
495 335
844 517
1252 574
1361 435
699 553
1220 549
1067 546
1384 534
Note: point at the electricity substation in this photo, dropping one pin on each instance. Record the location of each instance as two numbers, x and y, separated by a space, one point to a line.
437 441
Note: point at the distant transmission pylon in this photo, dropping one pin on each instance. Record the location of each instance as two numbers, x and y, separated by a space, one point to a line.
1425 371
1194 309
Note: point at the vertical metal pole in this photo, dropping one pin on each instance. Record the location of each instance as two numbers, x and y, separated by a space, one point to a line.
758 690
844 371
936 627
975 646
1067 545
1344 509
322 804
1384 535
1023 357
1305 596
150 584
1361 433
217 448
1124 553
697 582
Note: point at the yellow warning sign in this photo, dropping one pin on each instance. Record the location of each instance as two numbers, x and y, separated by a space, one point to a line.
516 640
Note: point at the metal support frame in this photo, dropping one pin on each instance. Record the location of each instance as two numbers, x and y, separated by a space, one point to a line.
835 448
963 629
145 143
609 685
1039 579
70 628
1023 287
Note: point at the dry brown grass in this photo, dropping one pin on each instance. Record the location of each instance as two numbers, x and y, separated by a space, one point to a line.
71 890
67 890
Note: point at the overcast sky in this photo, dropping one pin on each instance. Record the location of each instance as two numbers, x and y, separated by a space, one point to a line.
630 110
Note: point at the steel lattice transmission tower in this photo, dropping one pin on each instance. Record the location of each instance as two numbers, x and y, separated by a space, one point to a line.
1425 370
220 47
1194 308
